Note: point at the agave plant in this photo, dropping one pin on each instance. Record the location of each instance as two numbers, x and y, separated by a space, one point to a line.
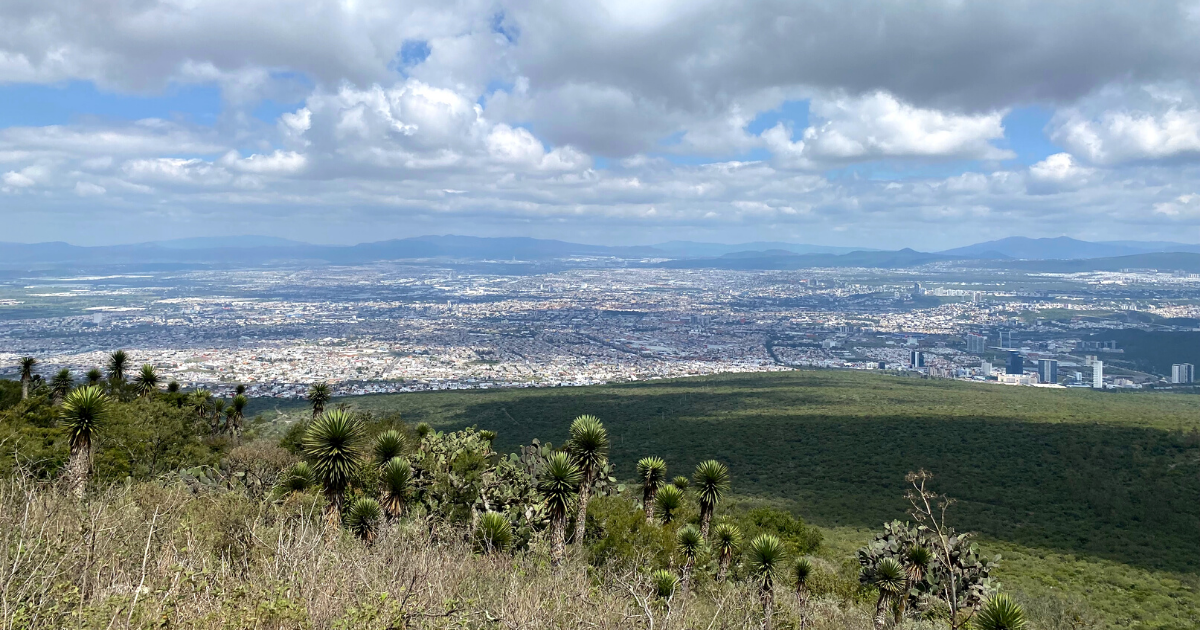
1001 613
363 518
319 395
559 482
118 362
665 583
395 478
387 445
589 447
146 381
299 478
727 539
690 541
764 557
712 482
61 385
332 445
668 500
652 471
889 578
26 365
681 482
493 534
82 413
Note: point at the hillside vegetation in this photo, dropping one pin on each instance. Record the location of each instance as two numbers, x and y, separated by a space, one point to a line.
1093 494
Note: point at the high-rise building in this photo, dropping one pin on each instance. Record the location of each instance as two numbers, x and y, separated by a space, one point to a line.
1016 364
985 368
917 359
1097 374
976 343
1183 373
1048 371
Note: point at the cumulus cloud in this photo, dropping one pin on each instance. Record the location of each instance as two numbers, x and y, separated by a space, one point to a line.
1182 206
880 126
1058 172
1122 136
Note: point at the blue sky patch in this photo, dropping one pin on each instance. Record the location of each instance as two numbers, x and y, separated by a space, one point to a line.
38 105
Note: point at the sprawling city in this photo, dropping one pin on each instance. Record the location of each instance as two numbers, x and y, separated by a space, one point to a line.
396 326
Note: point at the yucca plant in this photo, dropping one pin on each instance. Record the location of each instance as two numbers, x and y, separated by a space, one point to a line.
889 578
82 413
690 541
363 518
665 583
319 395
173 387
61 385
387 445
218 409
764 557
727 540
1001 613
201 401
299 478
238 406
589 447
94 376
916 561
395 478
26 365
712 482
493 534
146 381
559 482
652 471
681 482
490 436
422 429
332 444
118 362
801 572
668 500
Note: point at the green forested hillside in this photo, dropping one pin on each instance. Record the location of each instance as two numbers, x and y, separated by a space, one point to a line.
1092 494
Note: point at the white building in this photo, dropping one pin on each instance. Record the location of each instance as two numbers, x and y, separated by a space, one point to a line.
1098 375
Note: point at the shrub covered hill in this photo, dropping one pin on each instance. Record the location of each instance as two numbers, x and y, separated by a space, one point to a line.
806 499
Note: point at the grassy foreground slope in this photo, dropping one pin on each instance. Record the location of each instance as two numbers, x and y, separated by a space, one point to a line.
1098 493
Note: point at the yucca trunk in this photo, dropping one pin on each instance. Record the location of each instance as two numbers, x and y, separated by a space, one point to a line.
802 601
585 492
768 602
706 512
558 538
685 575
24 388
648 496
723 567
881 612
78 466
333 512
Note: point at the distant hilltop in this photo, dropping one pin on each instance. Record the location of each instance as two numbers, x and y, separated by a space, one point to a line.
1041 254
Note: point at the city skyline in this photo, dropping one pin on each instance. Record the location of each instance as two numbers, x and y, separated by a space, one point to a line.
927 125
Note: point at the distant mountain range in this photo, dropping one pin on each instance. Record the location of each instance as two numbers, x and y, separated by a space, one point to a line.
1050 254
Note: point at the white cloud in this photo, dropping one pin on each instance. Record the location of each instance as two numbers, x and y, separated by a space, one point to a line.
88 189
1058 172
1122 136
13 178
1182 206
276 163
878 126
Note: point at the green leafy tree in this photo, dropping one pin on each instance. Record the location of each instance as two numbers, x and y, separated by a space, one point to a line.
712 482
82 413
589 447
558 483
493 534
689 541
146 382
26 364
652 471
387 445
332 445
667 502
319 395
764 557
395 480
118 363
727 540
363 519
61 385
1001 613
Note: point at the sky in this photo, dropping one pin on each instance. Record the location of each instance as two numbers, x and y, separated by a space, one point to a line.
877 123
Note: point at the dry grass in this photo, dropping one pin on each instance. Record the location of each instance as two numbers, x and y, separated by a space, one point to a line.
166 555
